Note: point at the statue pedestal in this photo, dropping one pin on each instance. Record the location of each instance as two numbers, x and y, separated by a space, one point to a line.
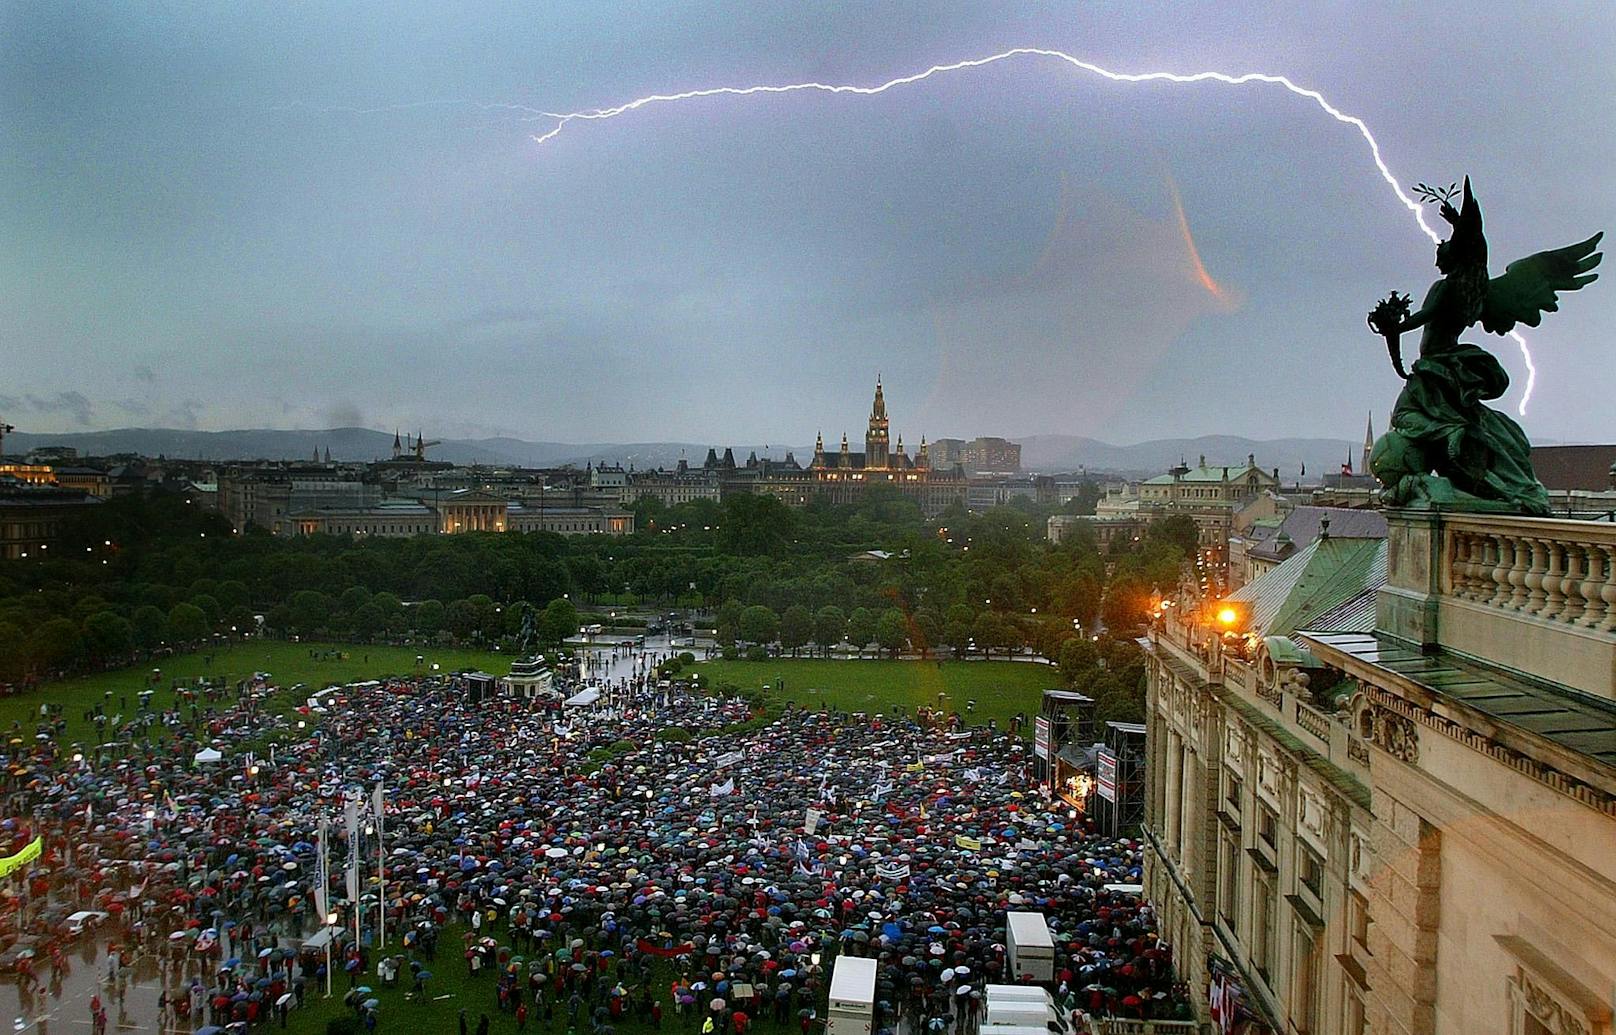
1406 607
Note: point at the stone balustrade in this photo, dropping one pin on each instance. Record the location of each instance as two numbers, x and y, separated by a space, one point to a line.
1558 571
1537 595
1313 720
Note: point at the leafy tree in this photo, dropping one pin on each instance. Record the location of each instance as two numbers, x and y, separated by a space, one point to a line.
187 623
240 619
54 643
232 593
759 625
860 628
957 635
729 622
796 628
830 626
148 626
308 610
209 606
926 630
461 619
107 635
1079 658
1177 531
13 648
353 598
558 621
367 621
891 631
429 616
1127 603
756 525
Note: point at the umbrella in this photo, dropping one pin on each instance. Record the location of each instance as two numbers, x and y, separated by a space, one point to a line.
371 1004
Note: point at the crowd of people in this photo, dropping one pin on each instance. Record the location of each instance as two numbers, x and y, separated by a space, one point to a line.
665 857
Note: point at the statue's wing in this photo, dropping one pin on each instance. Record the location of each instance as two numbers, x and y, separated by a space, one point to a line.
1527 288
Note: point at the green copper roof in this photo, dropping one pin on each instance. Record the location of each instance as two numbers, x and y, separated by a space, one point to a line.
1319 578
1212 473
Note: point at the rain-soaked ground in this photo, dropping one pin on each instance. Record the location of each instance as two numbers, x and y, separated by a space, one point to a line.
59 1002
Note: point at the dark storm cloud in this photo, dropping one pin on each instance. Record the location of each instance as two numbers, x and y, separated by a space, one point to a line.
249 211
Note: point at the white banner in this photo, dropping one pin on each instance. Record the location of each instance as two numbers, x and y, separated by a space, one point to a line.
1105 774
810 821
720 790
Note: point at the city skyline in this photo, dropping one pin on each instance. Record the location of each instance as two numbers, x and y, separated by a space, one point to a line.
232 220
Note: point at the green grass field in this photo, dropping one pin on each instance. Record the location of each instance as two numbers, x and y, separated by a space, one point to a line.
999 688
289 663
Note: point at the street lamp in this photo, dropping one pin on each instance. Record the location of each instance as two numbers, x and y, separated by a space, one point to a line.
331 925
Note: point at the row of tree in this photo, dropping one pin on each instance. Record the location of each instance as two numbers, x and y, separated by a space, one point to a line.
144 574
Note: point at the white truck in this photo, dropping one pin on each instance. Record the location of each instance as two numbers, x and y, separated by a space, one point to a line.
1021 1010
1030 948
852 997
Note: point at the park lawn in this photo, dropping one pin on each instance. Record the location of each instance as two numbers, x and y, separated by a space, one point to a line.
288 663
452 989
1000 688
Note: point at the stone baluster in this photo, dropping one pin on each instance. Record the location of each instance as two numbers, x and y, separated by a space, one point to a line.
1487 587
1593 584
1608 591
1504 561
1538 560
1571 583
1481 567
1451 583
1519 564
1463 569
1554 598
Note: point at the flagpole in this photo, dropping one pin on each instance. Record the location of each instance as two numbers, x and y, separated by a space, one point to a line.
381 873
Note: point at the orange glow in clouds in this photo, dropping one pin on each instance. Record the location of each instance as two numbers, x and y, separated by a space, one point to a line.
1213 288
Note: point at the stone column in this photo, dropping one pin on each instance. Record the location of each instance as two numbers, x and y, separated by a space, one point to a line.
1404 899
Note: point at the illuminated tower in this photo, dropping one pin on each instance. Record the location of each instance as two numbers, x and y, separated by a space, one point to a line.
875 440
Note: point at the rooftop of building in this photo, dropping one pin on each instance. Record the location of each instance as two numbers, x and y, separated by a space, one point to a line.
1305 524
1589 467
1206 473
1320 579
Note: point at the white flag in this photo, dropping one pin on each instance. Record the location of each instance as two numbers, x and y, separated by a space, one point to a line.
350 818
720 790
322 872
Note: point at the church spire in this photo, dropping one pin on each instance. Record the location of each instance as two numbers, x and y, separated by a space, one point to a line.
1368 441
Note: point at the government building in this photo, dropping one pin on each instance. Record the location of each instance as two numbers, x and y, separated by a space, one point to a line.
1381 782
843 476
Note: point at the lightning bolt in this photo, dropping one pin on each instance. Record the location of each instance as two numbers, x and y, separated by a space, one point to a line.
562 119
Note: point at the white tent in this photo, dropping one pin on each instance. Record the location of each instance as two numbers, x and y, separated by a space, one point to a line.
584 698
206 755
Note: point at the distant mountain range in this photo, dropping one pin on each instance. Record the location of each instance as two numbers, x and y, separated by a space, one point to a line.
1044 453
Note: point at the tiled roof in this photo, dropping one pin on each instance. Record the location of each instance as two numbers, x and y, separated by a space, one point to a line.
1314 581
1214 473
1574 467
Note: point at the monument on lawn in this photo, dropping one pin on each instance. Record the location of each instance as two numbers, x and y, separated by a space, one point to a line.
1444 445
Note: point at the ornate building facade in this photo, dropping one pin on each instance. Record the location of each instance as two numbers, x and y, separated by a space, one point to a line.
1394 811
843 476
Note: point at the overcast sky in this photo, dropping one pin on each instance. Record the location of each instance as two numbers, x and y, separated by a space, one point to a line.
204 223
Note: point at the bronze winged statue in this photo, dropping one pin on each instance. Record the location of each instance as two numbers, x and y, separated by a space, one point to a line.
1444 446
